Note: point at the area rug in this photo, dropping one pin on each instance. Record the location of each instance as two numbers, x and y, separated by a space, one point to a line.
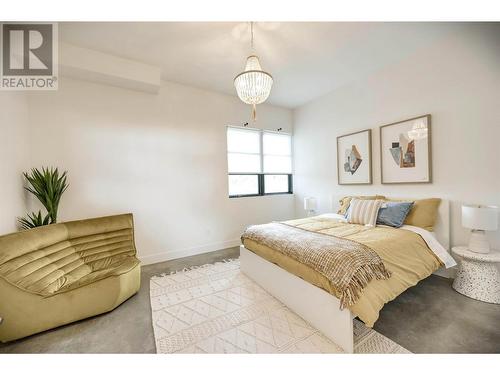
217 309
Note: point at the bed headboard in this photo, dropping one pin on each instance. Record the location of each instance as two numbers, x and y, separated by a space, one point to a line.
441 229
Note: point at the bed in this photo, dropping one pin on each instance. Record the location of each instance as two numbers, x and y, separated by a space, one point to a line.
309 294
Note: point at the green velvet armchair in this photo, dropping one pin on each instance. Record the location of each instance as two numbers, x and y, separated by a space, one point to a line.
57 274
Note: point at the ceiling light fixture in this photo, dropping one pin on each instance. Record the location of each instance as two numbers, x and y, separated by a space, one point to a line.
253 85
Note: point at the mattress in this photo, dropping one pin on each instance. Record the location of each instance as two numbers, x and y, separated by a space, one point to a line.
405 254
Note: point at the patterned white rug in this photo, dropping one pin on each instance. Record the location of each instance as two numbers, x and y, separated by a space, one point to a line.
216 309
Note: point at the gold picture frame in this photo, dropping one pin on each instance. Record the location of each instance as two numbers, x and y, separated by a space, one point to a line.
356 146
406 151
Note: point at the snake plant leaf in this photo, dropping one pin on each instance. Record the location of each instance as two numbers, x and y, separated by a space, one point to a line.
34 220
47 186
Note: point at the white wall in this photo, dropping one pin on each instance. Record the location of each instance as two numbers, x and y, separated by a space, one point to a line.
14 157
162 157
457 81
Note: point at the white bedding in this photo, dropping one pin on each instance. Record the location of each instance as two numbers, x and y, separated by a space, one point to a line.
334 216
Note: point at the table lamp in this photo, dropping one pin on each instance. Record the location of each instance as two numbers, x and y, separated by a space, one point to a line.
479 219
310 205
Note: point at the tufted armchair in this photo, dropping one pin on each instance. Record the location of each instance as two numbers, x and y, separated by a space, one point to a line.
60 273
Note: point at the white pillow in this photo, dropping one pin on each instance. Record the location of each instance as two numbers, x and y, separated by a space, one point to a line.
364 211
338 217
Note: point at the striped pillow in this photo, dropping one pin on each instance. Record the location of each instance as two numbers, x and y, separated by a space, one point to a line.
363 211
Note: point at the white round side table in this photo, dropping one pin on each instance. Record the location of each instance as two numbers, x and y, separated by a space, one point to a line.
478 275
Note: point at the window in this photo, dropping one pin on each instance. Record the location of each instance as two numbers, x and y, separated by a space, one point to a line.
258 162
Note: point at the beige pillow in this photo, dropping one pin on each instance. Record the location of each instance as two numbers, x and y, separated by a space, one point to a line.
364 211
346 201
424 213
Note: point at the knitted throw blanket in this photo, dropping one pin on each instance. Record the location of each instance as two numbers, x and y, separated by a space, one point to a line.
349 265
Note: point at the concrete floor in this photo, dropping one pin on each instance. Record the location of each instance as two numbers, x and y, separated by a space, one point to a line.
428 318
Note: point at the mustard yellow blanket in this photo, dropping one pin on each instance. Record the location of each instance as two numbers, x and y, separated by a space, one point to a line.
348 265
404 254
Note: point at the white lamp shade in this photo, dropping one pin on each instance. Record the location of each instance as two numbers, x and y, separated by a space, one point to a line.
480 217
309 203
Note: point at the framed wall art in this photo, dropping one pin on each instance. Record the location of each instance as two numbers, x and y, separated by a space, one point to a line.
354 158
405 151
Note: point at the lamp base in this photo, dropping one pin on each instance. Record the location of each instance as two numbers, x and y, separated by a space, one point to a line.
478 242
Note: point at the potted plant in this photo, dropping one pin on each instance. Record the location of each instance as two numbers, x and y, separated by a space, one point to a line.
48 186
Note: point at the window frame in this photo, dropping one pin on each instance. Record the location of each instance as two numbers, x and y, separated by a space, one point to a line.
260 176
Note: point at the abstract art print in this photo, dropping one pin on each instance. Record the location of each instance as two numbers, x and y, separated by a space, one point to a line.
354 159
405 151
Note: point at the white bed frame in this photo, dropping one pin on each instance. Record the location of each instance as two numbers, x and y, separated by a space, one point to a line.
316 306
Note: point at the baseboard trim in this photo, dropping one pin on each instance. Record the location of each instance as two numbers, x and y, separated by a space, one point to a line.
176 254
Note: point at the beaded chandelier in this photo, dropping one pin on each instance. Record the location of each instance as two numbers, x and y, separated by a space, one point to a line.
253 85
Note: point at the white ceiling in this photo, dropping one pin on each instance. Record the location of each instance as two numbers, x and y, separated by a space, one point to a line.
307 60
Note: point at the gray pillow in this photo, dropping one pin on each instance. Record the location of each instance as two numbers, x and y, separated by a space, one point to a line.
393 213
